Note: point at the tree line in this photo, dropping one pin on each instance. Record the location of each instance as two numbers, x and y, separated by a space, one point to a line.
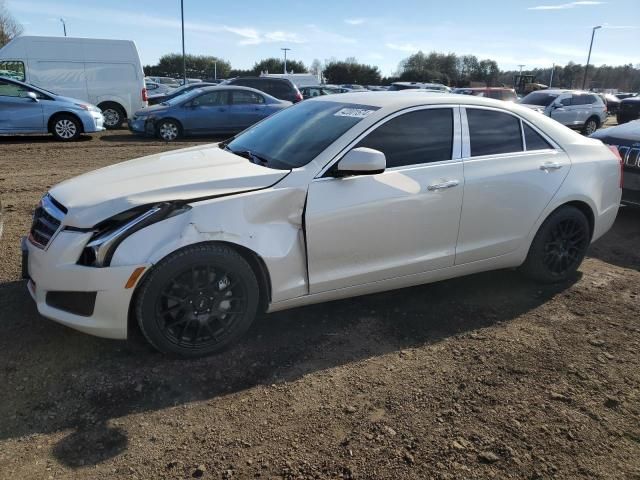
448 69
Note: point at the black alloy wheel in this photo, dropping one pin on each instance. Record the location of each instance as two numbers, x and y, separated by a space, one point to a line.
197 301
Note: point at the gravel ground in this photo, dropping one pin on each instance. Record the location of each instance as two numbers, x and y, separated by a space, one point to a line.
489 376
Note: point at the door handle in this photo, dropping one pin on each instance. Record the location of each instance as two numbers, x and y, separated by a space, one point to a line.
441 186
550 166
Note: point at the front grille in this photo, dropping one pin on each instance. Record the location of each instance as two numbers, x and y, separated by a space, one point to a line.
46 221
630 156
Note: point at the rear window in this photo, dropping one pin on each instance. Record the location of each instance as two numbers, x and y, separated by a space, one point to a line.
533 139
294 136
492 133
539 98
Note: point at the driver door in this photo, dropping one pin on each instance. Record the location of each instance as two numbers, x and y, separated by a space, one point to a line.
208 113
404 221
18 112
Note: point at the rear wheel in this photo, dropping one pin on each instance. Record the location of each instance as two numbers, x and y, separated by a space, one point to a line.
168 130
590 126
113 115
66 128
197 301
559 246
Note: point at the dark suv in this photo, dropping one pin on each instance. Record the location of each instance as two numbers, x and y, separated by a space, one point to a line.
281 88
629 109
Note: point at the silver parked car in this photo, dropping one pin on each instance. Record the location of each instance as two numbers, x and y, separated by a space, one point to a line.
575 109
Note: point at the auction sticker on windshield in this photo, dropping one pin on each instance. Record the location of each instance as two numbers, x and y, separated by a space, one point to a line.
353 112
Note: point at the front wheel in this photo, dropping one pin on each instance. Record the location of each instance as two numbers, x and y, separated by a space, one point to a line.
168 130
66 128
197 301
559 246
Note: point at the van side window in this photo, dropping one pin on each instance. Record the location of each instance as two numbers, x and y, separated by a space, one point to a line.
12 69
492 133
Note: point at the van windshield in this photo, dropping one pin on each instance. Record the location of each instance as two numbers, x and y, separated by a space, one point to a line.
296 135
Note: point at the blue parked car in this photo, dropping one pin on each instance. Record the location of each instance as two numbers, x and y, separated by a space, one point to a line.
208 110
27 109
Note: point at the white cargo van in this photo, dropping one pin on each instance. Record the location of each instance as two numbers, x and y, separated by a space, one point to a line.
106 73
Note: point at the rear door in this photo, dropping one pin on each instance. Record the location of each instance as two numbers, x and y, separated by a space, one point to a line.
246 108
18 112
404 221
567 113
512 172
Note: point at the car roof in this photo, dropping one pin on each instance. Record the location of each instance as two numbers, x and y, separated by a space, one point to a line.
213 88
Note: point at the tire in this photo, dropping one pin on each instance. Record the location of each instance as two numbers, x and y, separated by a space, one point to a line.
590 126
168 130
559 246
197 301
66 128
113 114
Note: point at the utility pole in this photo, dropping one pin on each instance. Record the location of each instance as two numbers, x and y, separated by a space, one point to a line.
586 68
64 26
184 58
285 50
215 69
553 69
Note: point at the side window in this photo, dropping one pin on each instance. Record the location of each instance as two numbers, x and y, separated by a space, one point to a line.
12 69
566 101
592 99
8 89
416 137
242 97
211 99
579 100
491 132
534 140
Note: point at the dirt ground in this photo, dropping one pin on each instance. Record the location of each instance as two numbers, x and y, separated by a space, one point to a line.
489 376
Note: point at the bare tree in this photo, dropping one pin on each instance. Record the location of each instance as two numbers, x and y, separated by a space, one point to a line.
9 27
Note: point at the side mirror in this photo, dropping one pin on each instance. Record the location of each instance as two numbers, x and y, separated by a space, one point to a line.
361 161
32 96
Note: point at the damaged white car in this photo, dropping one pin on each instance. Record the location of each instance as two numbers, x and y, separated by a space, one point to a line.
334 197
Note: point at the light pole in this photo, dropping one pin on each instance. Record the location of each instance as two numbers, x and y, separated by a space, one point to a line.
64 26
215 70
553 69
285 50
586 68
184 58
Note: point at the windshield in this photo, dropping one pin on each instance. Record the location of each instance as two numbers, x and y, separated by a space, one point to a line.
296 135
539 98
181 97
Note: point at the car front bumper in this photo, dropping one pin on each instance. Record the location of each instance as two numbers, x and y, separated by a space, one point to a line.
92 122
141 126
54 269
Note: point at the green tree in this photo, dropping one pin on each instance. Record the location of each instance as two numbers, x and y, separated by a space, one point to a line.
276 65
350 71
198 66
9 27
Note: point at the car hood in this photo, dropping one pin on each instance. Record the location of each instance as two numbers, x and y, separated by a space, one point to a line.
625 134
187 174
74 101
151 109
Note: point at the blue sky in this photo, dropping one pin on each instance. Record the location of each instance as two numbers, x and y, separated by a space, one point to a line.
536 33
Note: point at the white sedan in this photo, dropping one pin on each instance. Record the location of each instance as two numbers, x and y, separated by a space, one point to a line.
334 197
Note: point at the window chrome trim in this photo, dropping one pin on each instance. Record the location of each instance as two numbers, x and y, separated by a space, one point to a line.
456 147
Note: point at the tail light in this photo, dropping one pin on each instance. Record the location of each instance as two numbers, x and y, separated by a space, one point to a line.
615 151
144 95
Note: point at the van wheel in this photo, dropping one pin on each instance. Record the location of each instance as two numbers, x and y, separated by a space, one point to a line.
168 130
590 126
66 128
113 115
197 301
559 246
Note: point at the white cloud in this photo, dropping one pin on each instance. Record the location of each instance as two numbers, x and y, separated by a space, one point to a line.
564 6
402 47
355 21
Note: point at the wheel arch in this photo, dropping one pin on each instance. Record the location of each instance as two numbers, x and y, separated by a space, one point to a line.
55 116
254 260
107 103
585 208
